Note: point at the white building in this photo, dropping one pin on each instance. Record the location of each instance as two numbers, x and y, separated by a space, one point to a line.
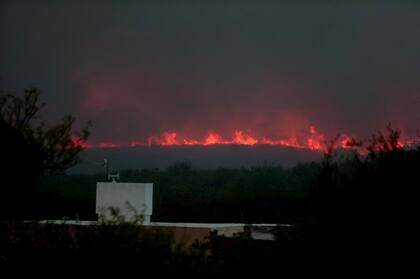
130 199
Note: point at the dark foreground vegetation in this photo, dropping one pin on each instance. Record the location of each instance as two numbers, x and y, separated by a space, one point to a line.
347 211
126 248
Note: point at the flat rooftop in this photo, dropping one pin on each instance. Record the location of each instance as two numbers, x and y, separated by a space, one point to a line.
190 232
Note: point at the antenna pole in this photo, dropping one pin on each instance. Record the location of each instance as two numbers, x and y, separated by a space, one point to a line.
106 162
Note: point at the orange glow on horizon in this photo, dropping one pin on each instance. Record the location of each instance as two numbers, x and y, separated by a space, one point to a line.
314 140
80 143
109 145
290 142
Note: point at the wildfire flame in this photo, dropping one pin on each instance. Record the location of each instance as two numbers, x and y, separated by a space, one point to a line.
311 140
215 138
314 140
240 137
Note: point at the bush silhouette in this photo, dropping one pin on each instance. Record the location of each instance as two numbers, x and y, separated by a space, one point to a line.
30 150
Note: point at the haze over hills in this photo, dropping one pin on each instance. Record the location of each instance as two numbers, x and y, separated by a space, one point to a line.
212 156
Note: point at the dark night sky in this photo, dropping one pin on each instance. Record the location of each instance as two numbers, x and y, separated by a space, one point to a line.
138 68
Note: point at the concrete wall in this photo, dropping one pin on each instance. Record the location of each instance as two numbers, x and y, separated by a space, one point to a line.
116 194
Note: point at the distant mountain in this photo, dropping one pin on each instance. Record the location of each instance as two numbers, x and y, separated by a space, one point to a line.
205 157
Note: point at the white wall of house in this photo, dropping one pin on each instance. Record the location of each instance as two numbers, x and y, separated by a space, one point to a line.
129 198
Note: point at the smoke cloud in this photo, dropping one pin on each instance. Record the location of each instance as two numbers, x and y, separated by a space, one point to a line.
272 69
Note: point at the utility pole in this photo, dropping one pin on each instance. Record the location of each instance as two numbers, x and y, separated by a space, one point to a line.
106 165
